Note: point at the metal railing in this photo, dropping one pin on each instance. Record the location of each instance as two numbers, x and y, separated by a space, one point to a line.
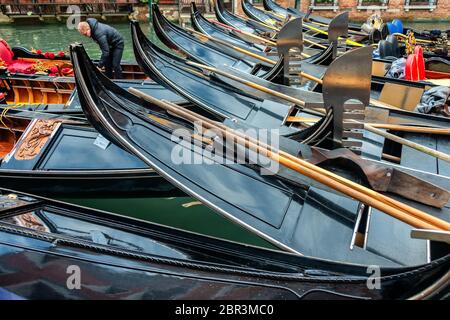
56 7
420 5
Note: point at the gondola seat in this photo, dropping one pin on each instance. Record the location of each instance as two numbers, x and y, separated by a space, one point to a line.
14 65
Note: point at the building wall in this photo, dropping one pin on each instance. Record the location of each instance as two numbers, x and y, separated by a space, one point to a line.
395 9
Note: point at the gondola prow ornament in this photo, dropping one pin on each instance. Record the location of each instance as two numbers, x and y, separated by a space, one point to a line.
337 28
348 78
290 47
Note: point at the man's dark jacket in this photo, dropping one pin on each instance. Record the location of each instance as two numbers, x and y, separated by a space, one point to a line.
107 38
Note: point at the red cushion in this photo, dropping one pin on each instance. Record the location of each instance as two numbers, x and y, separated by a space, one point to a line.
418 51
6 53
20 66
411 71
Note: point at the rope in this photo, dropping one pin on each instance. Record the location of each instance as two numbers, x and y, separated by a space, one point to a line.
3 114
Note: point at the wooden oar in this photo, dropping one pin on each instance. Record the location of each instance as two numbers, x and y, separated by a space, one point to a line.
348 41
390 136
238 49
269 61
357 33
257 22
390 206
306 23
405 142
267 41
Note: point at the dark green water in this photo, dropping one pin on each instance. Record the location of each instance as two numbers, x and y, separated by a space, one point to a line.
181 212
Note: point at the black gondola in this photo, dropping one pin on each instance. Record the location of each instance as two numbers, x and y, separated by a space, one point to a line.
53 155
217 55
172 72
124 258
130 70
215 96
271 5
400 93
261 16
203 25
273 211
228 18
206 51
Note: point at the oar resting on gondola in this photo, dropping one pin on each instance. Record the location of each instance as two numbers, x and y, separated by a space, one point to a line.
277 207
176 74
429 151
216 52
228 18
150 256
201 24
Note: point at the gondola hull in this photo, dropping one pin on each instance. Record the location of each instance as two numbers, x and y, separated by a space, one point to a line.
268 212
93 254
226 17
205 51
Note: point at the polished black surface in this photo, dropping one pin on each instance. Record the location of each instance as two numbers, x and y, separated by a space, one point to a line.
43 243
282 211
201 24
226 17
77 161
259 15
211 94
205 51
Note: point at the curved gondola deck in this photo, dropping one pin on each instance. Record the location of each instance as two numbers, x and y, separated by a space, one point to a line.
204 51
212 95
172 72
203 25
120 117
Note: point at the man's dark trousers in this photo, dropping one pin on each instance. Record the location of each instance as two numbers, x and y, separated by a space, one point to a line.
113 63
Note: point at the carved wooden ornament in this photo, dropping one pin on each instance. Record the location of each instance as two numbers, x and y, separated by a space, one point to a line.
36 138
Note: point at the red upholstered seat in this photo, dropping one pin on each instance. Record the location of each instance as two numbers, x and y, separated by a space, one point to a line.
20 66
6 53
14 66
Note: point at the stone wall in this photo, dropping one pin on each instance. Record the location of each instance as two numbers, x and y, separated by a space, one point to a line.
394 9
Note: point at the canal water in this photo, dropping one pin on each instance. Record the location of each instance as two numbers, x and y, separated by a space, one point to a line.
56 37
182 212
